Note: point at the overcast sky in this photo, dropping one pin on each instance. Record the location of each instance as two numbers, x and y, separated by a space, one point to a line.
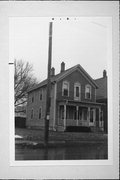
80 40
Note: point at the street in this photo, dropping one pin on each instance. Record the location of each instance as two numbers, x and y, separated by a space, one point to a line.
62 145
85 151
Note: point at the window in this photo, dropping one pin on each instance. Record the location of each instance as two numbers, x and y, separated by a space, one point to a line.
84 114
91 115
65 88
88 92
40 113
75 114
101 116
77 89
32 98
77 92
62 113
80 114
32 113
40 97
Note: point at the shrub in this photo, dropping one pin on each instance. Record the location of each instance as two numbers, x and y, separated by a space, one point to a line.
20 122
78 129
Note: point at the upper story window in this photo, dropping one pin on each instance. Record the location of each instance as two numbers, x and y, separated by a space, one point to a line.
88 92
65 88
77 91
41 95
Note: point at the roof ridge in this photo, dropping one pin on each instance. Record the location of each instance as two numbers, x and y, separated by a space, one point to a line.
37 86
61 74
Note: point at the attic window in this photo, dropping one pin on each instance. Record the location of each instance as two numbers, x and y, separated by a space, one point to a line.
88 92
65 88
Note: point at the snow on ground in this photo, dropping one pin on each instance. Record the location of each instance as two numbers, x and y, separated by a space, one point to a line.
17 136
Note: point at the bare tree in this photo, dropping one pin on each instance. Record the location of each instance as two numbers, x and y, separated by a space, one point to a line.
23 80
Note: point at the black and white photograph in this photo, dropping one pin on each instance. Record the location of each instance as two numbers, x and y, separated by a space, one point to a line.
59 90
60 87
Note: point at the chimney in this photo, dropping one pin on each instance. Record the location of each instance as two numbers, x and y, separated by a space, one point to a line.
62 67
52 71
104 73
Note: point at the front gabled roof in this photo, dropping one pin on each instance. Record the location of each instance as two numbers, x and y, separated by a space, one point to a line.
62 75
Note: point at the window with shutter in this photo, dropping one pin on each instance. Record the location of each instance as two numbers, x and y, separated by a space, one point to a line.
77 91
88 92
65 88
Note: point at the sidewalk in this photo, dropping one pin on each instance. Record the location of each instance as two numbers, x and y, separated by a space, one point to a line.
35 138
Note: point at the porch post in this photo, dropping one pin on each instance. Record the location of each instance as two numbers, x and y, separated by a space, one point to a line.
99 118
58 115
95 117
77 114
88 116
64 116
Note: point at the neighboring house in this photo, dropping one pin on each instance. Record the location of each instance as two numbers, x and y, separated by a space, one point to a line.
20 117
101 97
73 101
20 111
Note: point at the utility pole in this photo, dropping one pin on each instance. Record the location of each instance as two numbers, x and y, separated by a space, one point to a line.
48 92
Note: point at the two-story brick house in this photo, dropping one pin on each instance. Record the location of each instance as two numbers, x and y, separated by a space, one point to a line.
73 101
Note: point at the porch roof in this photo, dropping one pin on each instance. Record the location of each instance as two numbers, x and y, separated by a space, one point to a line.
80 103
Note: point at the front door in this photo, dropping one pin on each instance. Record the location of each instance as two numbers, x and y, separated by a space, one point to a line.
92 117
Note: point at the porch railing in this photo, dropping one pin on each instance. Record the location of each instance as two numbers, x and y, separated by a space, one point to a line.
71 122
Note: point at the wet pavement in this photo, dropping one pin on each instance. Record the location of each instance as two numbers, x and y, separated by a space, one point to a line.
81 152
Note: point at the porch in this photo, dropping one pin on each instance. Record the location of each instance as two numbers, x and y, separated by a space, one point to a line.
80 114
